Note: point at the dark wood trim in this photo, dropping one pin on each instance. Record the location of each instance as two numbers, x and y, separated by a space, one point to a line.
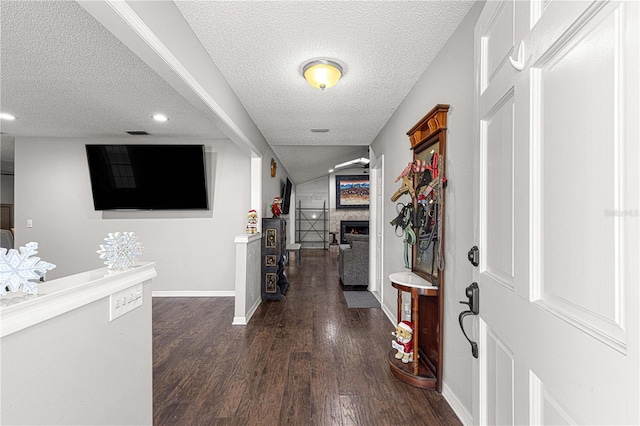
423 379
434 121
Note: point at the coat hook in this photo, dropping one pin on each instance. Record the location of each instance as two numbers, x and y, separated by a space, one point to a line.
519 63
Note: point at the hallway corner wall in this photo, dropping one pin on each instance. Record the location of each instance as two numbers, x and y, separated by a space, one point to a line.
449 79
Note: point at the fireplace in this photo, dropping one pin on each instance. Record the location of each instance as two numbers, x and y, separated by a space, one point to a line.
353 227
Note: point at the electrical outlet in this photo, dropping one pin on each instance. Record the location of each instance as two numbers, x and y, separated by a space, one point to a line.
124 301
407 308
29 223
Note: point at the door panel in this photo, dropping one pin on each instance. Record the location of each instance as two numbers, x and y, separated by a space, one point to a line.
496 379
544 407
497 42
579 280
497 193
579 153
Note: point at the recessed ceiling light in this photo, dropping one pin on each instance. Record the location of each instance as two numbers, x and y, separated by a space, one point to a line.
160 117
6 116
330 170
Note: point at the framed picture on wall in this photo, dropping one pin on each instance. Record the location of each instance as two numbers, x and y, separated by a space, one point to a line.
352 192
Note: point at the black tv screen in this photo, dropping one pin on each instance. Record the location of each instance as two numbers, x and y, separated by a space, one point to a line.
286 197
148 177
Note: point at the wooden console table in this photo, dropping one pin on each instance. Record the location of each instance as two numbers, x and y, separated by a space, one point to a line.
426 282
420 372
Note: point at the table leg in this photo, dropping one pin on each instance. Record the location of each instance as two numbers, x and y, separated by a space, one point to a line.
399 317
414 320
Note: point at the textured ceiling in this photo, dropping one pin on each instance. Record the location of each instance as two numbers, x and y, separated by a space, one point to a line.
261 47
64 75
384 47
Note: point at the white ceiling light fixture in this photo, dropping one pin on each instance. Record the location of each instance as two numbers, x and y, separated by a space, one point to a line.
7 116
322 73
160 117
358 161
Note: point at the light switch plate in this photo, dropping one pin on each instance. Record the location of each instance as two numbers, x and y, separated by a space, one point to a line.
124 301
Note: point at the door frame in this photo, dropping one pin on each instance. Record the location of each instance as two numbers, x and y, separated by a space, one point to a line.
376 218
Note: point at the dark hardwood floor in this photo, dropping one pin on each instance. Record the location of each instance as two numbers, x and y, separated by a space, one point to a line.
308 360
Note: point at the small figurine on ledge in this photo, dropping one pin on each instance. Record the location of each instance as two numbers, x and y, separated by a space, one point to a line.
252 222
276 208
404 341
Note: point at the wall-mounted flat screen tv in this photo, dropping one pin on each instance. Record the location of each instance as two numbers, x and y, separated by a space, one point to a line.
148 177
286 197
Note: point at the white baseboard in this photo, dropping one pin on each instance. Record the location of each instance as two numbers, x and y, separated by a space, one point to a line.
389 314
159 293
245 320
465 417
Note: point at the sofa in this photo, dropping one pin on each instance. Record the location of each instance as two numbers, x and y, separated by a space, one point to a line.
6 239
353 261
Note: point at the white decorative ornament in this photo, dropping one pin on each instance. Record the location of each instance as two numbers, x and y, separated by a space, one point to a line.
121 250
18 268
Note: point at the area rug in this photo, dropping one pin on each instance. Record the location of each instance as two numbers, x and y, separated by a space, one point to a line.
361 299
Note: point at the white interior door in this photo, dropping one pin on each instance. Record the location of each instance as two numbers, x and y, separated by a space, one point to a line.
557 212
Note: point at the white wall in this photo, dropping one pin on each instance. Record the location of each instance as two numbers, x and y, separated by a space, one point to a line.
194 250
313 194
448 80
80 368
272 187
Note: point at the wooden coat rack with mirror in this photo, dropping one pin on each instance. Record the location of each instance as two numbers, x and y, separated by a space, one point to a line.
426 283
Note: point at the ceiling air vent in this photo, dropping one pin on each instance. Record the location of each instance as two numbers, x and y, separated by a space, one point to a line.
137 132
319 130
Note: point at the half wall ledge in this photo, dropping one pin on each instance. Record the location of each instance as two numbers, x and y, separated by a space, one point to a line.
56 297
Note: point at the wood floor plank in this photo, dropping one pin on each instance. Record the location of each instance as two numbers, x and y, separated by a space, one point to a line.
356 410
296 400
306 360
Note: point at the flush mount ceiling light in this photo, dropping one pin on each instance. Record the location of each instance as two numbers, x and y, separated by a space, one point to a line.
6 116
160 117
322 73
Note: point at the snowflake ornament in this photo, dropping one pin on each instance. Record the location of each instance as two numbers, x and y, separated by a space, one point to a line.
18 268
121 250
